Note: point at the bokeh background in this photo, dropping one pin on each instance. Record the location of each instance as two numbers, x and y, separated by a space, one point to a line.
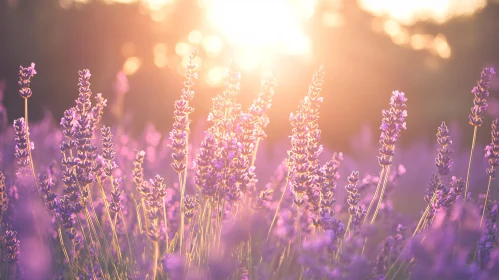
431 50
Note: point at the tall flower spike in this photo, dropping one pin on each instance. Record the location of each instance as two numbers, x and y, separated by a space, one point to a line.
492 153
392 124
21 153
492 150
108 152
481 93
261 105
45 183
443 160
179 134
138 169
353 192
25 75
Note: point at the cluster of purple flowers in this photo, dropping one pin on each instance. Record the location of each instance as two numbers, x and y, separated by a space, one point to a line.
208 217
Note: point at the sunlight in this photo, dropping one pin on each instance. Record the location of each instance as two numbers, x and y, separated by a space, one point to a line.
265 25
410 11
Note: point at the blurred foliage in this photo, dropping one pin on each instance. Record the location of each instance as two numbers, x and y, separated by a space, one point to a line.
362 66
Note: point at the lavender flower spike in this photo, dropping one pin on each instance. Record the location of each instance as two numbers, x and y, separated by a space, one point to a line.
21 153
12 246
443 160
25 75
492 150
392 124
481 93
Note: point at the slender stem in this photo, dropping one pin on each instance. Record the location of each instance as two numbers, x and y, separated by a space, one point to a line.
345 235
253 157
278 207
155 263
423 217
375 193
132 255
182 202
486 198
59 233
113 229
299 228
29 143
382 193
469 163
166 224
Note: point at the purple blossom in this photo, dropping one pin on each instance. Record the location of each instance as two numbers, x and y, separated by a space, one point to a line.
12 245
492 150
25 75
481 94
22 146
392 124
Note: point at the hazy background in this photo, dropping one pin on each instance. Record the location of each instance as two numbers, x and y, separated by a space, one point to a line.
431 50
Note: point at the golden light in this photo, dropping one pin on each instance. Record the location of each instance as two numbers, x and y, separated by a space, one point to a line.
160 58
333 19
215 76
256 23
131 65
262 25
410 11
392 28
418 41
195 37
212 45
156 5
183 49
441 46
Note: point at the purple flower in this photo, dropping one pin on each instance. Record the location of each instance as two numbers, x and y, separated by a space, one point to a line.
21 153
12 245
305 147
481 94
65 213
25 75
45 183
261 105
443 160
392 124
178 136
492 150
108 152
138 169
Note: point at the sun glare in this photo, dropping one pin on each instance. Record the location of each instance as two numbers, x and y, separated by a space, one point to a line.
265 25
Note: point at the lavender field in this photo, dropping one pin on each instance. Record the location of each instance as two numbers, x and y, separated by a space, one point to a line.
250 140
80 200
